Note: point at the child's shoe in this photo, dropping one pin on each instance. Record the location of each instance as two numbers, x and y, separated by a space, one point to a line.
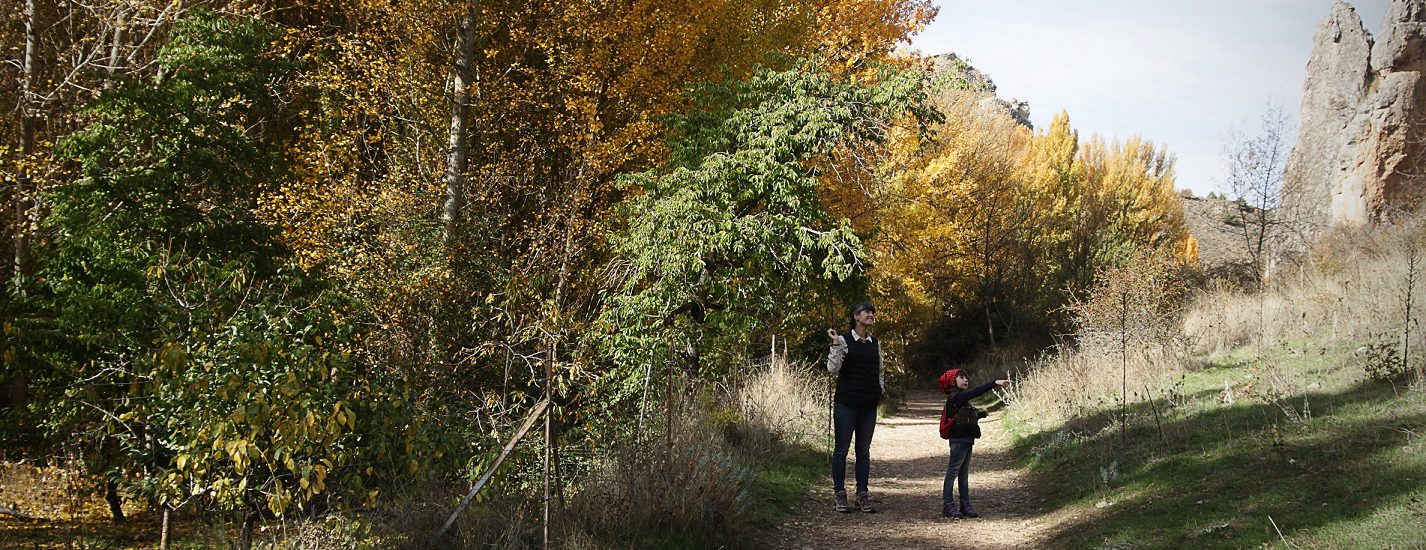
967 511
842 505
864 502
949 510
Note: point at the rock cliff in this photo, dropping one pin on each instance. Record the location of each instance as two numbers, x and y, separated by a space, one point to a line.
1363 120
949 64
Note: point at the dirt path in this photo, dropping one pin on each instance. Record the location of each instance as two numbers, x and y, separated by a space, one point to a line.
908 468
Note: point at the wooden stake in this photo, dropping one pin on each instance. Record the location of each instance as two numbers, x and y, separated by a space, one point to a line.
1157 421
549 445
668 401
525 426
1123 362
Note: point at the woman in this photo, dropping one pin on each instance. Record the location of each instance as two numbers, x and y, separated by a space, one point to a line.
855 357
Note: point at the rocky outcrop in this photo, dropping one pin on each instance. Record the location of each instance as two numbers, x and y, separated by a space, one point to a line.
1363 120
1393 123
1337 77
949 65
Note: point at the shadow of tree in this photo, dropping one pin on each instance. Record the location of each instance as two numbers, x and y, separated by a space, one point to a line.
1213 477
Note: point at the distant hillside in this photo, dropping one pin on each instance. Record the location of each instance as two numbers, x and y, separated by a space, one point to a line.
1221 248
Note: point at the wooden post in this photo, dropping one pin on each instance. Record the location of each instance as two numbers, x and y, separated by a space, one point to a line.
643 403
555 447
559 479
1123 362
549 445
668 401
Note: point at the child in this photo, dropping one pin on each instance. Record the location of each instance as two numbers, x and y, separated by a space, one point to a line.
963 432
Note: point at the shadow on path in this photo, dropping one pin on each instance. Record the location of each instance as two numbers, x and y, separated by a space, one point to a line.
908 470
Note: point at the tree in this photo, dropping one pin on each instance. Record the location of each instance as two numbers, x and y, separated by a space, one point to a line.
1255 165
28 122
733 227
988 231
68 51
460 112
173 333
1136 301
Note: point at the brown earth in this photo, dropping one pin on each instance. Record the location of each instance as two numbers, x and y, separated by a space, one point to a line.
908 468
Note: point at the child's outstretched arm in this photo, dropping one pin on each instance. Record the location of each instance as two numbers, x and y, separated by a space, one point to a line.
962 398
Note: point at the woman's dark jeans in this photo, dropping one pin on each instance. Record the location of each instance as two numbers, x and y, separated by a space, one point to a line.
848 420
959 468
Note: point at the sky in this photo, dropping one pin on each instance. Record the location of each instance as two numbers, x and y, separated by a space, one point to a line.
1182 74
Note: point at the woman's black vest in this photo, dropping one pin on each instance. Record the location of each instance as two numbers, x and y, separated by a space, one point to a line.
859 381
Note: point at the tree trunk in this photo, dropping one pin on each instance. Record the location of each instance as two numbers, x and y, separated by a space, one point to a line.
460 108
163 529
116 505
24 185
120 34
989 323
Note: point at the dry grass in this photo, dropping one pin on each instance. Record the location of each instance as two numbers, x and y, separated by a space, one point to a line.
1352 293
693 482
685 481
780 404
1065 383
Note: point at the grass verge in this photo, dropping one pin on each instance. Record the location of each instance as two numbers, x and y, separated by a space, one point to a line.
1294 447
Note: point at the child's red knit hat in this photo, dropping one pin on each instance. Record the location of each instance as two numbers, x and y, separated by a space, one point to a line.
948 380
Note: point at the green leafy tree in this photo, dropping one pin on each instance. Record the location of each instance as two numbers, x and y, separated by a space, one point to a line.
733 228
173 332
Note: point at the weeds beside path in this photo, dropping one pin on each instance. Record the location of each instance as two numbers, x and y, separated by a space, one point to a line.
908 468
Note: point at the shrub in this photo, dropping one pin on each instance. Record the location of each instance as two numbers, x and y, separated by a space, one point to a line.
693 482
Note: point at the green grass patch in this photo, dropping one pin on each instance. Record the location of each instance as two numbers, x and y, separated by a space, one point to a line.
1299 437
782 485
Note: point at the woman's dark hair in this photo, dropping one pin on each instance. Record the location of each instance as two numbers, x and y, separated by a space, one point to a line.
852 321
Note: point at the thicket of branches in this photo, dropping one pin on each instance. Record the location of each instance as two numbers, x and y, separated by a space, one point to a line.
269 260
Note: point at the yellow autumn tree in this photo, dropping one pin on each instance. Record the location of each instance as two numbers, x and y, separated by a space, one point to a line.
985 230
1134 199
564 96
954 210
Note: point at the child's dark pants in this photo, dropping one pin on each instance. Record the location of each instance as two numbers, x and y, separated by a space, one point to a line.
959 468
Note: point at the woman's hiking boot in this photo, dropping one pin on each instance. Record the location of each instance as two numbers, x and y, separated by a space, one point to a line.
864 503
842 505
949 510
967 511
